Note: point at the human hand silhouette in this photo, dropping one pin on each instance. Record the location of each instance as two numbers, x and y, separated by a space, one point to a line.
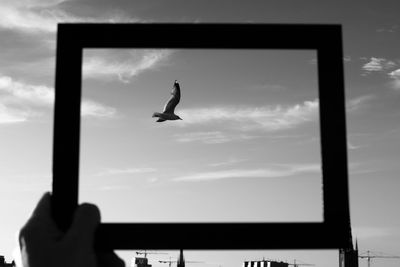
42 244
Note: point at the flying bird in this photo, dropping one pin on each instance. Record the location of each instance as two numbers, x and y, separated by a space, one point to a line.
169 108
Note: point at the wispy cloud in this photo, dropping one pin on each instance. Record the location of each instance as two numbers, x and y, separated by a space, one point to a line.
213 137
281 170
113 188
358 102
390 29
346 59
113 171
267 86
363 168
26 182
395 76
21 101
378 65
107 67
244 120
253 118
351 146
43 16
372 232
230 161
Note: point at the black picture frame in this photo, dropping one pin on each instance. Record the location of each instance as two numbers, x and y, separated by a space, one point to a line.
332 232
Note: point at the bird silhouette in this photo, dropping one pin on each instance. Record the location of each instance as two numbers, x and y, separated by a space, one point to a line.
169 108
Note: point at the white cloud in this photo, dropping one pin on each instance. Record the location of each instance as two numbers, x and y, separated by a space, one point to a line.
395 75
18 100
279 170
43 16
21 101
378 64
8 115
24 19
93 109
106 67
251 118
384 65
35 94
111 172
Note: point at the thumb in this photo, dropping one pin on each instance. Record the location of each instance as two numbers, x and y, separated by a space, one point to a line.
84 224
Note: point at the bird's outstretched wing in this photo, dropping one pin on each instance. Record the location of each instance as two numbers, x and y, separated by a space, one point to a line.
174 100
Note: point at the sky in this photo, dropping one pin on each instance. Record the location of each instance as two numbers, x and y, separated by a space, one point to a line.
274 105
242 121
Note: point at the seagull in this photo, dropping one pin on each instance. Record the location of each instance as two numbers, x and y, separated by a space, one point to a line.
169 108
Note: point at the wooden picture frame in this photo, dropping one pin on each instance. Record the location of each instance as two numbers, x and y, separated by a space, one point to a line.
333 232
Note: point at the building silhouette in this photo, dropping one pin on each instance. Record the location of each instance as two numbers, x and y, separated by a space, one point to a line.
348 257
141 262
181 259
265 263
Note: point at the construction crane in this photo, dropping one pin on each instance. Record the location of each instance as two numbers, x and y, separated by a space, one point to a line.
180 260
370 256
295 264
145 253
143 262
171 261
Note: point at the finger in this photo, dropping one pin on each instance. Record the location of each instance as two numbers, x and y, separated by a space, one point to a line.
40 219
43 208
109 259
23 254
84 224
